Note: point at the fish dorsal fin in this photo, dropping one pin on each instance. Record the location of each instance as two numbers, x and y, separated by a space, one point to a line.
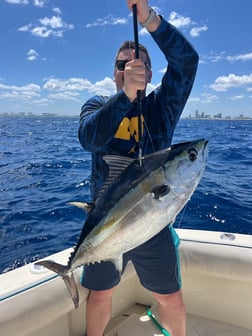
117 164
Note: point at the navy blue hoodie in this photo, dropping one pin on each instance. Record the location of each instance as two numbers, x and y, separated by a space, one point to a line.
108 125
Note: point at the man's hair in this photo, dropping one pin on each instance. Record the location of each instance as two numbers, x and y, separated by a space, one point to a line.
131 45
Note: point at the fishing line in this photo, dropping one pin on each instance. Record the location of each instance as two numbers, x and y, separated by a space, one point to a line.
139 103
182 215
149 136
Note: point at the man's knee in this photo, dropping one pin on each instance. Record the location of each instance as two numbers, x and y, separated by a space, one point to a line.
101 295
174 299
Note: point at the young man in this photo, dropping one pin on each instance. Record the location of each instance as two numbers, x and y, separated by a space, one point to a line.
108 125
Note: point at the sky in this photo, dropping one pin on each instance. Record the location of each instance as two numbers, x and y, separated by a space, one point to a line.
55 54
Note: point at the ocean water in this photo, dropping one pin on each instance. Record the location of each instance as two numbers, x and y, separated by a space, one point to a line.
43 167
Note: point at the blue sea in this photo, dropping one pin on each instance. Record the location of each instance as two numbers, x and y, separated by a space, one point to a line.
43 167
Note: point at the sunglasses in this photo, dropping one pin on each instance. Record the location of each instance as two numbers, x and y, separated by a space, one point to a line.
120 64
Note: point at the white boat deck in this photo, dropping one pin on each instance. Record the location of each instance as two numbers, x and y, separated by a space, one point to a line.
135 322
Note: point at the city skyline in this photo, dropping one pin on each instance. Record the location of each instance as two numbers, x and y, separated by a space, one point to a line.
197 115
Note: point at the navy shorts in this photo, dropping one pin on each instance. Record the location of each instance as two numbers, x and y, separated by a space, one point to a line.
156 263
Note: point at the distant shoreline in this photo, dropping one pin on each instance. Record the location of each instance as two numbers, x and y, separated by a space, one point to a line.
222 119
46 115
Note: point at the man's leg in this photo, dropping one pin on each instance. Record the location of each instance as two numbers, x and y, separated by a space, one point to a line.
99 307
101 279
172 312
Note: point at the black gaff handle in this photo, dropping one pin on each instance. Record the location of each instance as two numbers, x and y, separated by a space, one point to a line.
139 104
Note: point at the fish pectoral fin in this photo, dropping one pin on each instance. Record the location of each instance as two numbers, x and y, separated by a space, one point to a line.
118 262
72 288
160 191
86 206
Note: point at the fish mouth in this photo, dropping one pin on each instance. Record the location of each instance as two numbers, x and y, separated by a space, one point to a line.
205 150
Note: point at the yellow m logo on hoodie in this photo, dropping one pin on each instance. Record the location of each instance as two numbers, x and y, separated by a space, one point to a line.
129 128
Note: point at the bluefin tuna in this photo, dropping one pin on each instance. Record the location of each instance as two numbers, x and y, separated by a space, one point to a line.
139 198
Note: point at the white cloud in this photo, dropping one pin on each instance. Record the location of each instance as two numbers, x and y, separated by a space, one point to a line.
18 2
208 98
215 58
25 28
162 71
238 97
109 20
66 95
57 10
55 22
28 87
241 57
105 87
41 102
143 31
39 3
60 86
193 100
181 21
78 84
36 3
224 83
72 89
32 55
222 56
205 98
151 87
25 92
53 26
178 20
195 31
44 32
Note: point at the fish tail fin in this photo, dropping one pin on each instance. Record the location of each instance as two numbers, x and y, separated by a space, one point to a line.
53 266
72 288
68 279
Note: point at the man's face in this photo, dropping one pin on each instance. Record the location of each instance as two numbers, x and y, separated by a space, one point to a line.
128 55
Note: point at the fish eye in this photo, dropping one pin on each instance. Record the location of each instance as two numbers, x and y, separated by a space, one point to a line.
192 154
